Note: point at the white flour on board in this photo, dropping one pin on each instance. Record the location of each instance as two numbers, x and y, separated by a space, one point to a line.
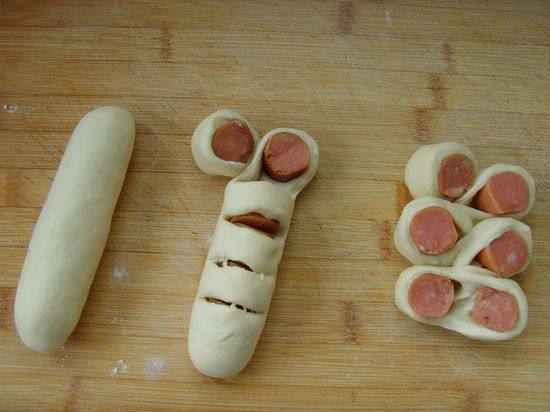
17 109
120 367
121 275
153 365
13 108
64 357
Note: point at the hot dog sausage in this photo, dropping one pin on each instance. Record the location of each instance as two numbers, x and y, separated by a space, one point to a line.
286 156
431 296
257 221
455 176
506 254
505 192
495 310
233 141
433 230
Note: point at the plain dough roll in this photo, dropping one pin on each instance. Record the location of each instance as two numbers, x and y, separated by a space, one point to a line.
232 302
421 172
72 229
459 318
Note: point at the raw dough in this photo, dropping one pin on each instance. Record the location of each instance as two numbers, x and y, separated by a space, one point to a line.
486 174
201 144
421 172
72 229
485 232
459 319
222 337
464 217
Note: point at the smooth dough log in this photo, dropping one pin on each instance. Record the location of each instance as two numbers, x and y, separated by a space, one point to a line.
240 271
423 168
202 149
72 229
470 281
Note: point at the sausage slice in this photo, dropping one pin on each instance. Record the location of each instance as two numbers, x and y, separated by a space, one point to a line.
233 141
286 156
431 296
257 221
495 310
455 176
505 192
505 255
433 230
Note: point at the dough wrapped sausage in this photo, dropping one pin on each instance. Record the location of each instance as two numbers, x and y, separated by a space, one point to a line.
72 229
422 173
484 233
202 144
470 309
504 242
464 219
486 174
239 274
450 170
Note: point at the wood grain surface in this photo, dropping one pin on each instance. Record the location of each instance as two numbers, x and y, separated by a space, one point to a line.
371 81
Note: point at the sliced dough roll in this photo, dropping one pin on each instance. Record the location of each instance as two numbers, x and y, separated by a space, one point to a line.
202 144
424 172
239 275
72 228
471 281
464 219
486 232
483 177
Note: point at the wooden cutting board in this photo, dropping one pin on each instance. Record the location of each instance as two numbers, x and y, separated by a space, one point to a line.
371 81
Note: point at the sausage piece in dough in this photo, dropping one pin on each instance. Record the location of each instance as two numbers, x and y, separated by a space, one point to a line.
455 176
505 255
433 230
495 309
233 141
504 193
286 157
431 296
257 221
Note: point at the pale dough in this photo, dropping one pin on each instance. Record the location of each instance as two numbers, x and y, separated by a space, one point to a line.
485 232
459 319
222 338
486 174
72 228
201 144
421 172
464 217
